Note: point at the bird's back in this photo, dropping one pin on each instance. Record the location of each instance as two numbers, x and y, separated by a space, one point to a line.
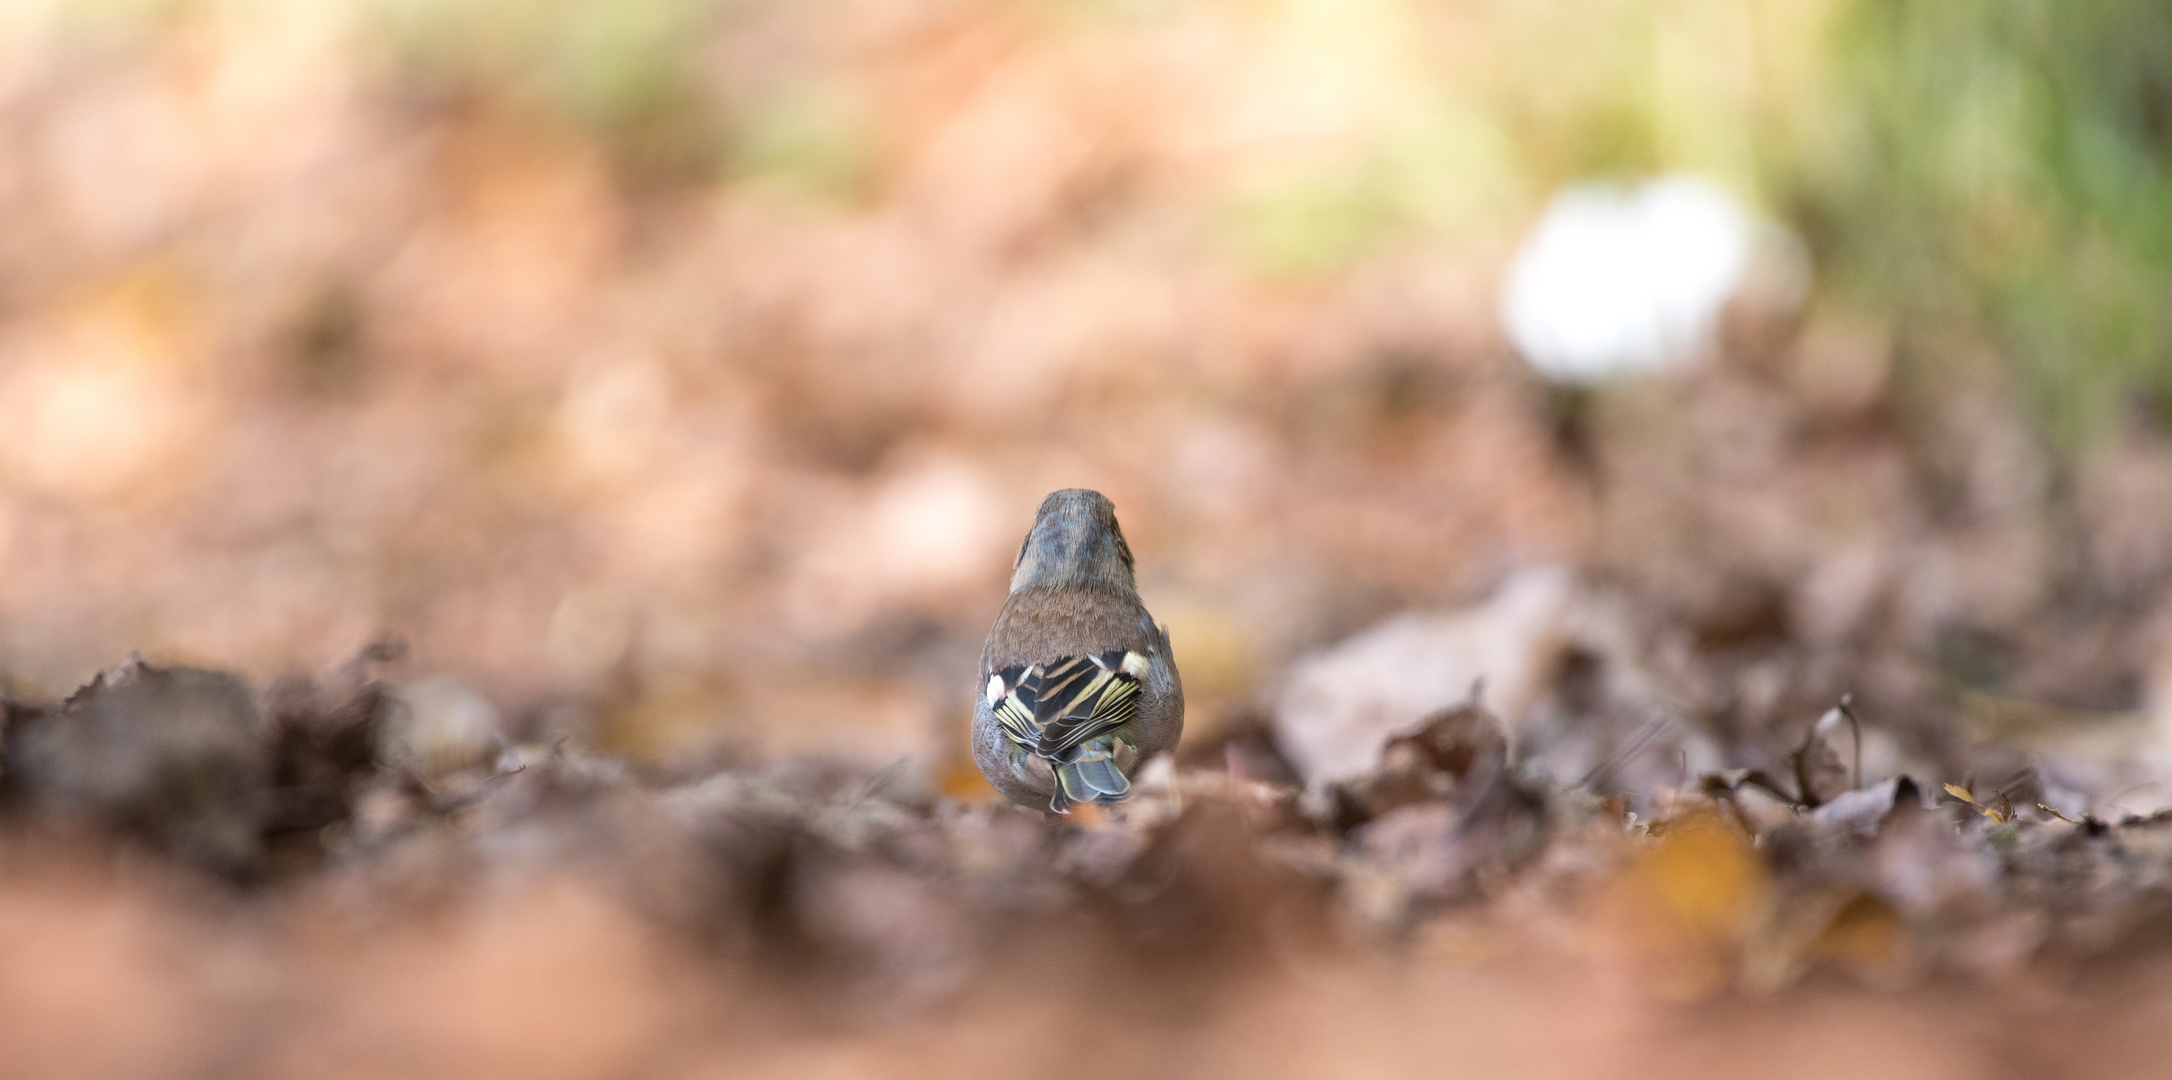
1043 625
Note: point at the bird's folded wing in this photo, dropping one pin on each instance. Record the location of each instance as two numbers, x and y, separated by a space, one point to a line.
1050 709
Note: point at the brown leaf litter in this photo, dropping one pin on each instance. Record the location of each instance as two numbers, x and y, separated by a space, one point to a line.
279 889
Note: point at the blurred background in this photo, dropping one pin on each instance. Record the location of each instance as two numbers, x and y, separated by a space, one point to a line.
683 373
676 379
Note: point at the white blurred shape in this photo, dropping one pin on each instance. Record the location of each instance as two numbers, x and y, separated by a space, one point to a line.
1615 280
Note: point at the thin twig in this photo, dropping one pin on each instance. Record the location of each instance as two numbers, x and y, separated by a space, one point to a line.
1644 735
1855 726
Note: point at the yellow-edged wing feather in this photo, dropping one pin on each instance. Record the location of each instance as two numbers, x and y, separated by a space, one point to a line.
1051 709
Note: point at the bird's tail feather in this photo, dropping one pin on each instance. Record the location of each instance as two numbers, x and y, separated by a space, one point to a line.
1092 778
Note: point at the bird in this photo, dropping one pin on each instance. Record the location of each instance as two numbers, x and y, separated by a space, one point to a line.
1077 681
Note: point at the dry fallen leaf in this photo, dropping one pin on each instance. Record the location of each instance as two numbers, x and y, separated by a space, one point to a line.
1996 815
1820 775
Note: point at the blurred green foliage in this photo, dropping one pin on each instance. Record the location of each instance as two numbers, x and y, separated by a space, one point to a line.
626 71
1993 178
2009 162
812 137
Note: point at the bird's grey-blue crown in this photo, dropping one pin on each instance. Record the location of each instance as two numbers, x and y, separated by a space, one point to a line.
1074 541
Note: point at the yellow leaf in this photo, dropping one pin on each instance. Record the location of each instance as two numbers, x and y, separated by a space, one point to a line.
1705 876
1865 933
1685 906
960 779
1961 793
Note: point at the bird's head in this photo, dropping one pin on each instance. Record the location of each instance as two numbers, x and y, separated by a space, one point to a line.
1075 541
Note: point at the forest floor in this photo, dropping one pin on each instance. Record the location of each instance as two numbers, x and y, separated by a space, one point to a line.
195 885
1797 712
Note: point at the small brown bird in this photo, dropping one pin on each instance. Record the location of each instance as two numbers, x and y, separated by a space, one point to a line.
1077 682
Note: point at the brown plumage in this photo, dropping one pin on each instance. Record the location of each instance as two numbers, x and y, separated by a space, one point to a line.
1041 623
1077 683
